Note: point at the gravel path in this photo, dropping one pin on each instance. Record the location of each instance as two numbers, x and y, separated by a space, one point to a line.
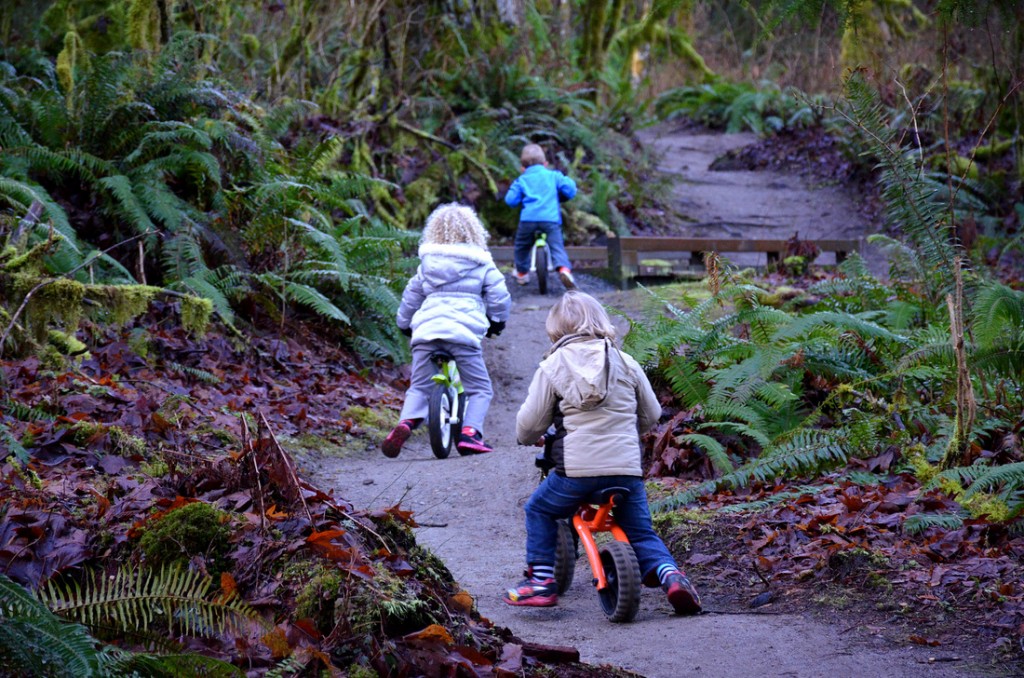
470 511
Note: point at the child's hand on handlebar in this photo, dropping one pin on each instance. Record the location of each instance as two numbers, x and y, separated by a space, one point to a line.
541 441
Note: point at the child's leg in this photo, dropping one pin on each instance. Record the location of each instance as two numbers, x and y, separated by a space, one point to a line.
555 498
634 517
654 558
556 245
417 398
525 235
476 382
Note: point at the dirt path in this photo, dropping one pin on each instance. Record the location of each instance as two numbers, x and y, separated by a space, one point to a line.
735 203
470 509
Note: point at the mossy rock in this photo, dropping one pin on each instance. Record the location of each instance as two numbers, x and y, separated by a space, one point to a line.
194 530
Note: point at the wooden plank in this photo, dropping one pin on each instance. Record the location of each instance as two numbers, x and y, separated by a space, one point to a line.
672 244
577 253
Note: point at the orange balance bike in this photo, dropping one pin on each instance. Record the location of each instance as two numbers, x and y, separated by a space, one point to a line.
616 573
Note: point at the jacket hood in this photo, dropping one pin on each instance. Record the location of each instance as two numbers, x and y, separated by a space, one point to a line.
580 368
450 262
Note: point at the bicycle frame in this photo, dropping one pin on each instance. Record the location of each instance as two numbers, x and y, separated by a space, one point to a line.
591 519
541 241
448 373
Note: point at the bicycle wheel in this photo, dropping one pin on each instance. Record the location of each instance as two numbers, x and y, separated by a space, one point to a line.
541 260
565 555
620 600
443 409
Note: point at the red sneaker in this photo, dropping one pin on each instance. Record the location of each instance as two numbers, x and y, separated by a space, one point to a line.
681 594
533 593
392 445
471 441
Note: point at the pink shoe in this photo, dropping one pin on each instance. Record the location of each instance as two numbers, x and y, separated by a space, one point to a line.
392 445
472 442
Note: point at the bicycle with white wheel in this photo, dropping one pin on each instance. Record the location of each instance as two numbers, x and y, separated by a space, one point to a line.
540 261
446 407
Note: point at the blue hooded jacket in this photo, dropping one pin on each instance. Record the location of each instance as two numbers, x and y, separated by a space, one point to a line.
539 190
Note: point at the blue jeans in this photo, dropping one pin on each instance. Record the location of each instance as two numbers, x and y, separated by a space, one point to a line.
559 497
526 234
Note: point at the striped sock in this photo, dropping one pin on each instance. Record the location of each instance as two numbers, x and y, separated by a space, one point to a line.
542 572
665 569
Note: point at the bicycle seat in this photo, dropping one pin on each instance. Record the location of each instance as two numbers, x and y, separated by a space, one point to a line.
441 356
609 494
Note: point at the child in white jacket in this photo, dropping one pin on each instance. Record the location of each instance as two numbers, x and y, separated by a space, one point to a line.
599 400
457 297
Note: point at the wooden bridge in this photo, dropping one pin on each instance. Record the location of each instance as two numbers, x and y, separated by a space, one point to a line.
628 258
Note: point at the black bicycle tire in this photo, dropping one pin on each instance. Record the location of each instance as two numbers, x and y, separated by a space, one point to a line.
438 414
565 555
620 599
541 261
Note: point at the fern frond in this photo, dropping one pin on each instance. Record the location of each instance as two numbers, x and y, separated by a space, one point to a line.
135 600
715 451
128 205
1005 478
194 372
774 499
36 641
804 453
920 522
687 381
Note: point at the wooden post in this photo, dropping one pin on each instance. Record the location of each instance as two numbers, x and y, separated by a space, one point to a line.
615 261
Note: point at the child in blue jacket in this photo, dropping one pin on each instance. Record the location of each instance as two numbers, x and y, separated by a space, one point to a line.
540 191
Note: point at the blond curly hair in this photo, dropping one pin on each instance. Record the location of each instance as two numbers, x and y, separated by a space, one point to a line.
453 224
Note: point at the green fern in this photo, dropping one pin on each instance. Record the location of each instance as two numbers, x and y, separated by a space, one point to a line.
195 373
920 522
178 598
715 451
774 499
805 453
39 643
912 205
1006 479
23 412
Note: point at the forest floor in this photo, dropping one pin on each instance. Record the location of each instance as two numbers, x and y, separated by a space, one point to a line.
469 509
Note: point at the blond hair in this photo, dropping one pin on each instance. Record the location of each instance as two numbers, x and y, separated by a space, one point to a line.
578 313
453 224
532 155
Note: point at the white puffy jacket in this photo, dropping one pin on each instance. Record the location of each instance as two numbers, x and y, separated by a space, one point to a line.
456 292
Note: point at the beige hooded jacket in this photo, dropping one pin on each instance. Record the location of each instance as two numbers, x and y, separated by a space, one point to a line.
598 399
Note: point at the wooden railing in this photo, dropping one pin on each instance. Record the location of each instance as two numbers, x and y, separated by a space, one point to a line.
657 256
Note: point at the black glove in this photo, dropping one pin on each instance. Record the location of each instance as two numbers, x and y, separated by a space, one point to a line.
407 331
496 328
